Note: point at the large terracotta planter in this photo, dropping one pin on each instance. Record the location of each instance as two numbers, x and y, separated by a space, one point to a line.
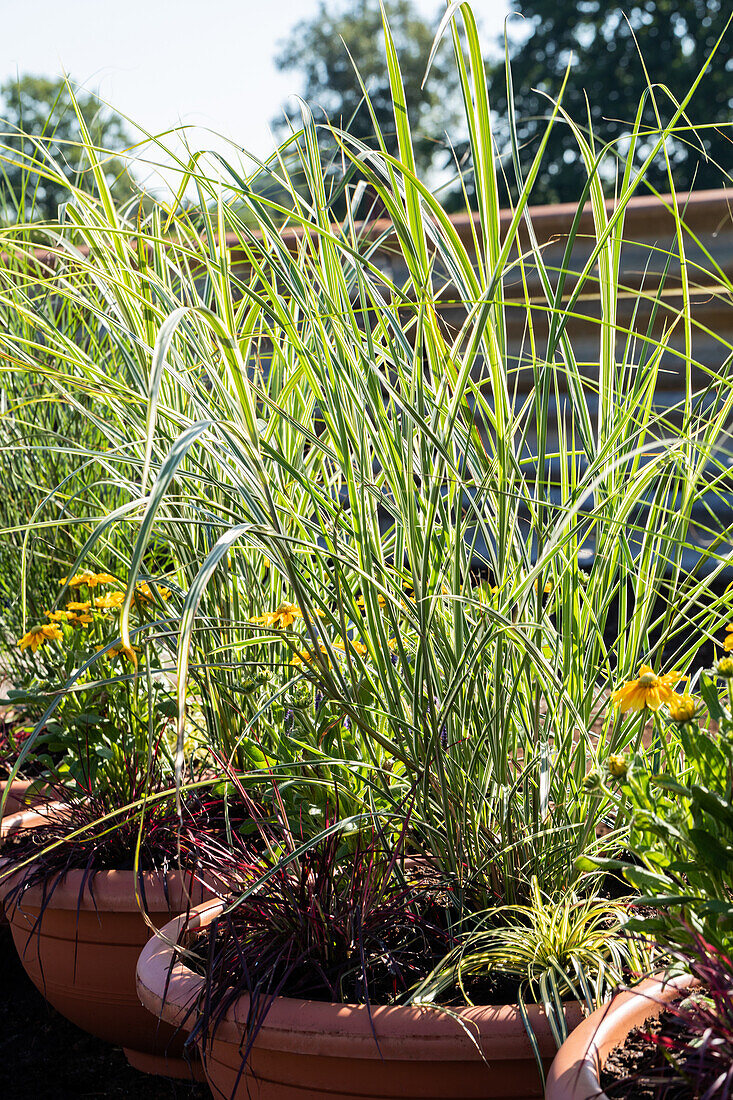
16 800
576 1071
308 1049
17 822
79 946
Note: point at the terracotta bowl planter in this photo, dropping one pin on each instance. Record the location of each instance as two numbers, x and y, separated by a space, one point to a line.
79 947
576 1071
15 822
309 1049
16 800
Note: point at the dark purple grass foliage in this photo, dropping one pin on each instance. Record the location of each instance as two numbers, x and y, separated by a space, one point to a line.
348 926
92 833
701 1046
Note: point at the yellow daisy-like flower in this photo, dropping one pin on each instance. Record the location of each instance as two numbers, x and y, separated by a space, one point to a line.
87 577
267 619
357 647
82 619
304 657
90 579
39 635
724 668
380 600
648 690
58 616
118 651
144 593
683 707
81 607
110 601
284 616
728 641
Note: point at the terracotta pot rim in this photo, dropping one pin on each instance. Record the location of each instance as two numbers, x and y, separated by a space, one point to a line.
102 889
171 993
576 1070
18 788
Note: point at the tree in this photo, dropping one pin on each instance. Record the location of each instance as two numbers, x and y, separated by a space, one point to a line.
674 38
316 49
34 107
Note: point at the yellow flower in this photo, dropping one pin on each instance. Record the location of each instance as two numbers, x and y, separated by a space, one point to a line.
724 668
380 600
39 635
284 616
111 601
118 650
648 690
83 606
357 647
617 765
728 642
304 657
144 592
80 620
58 616
87 577
683 707
91 580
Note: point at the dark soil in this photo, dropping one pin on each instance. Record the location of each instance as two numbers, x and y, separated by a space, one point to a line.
638 1070
44 1057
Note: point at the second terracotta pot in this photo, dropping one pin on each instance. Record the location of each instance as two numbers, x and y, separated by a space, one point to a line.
576 1071
17 800
309 1049
79 943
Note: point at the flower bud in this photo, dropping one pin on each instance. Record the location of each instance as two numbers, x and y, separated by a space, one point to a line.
617 765
592 782
683 708
724 668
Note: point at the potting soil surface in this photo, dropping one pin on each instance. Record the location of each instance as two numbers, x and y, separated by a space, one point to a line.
44 1057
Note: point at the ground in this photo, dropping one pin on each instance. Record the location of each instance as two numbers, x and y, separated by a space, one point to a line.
44 1057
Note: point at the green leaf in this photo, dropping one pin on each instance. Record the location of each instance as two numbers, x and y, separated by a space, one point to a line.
711 698
710 849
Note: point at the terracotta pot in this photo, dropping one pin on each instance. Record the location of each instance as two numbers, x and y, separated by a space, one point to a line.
79 947
307 1049
19 821
16 800
576 1071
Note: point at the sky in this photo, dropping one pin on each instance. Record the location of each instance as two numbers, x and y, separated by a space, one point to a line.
207 63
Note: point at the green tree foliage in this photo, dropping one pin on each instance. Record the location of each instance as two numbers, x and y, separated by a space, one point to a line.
608 43
34 107
319 48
